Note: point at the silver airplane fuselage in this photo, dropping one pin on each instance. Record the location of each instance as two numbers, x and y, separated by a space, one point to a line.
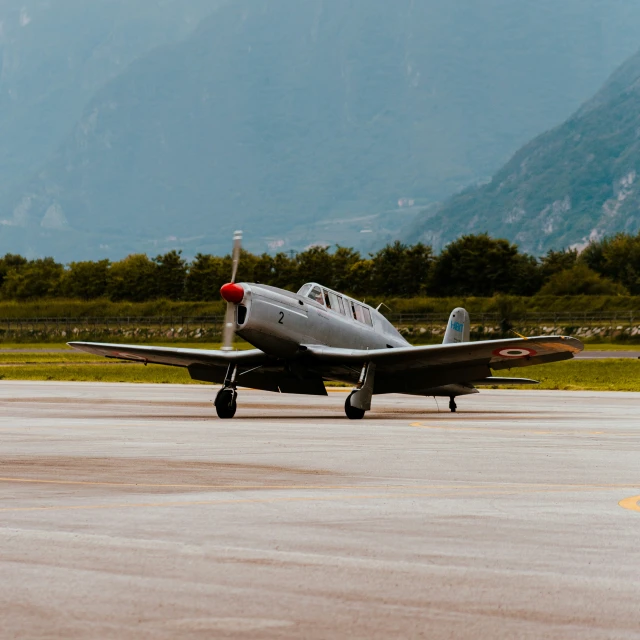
278 321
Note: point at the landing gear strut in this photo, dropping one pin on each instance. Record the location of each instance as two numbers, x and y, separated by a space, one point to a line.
452 404
225 401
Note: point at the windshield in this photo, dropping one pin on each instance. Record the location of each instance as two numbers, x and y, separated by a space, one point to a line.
316 294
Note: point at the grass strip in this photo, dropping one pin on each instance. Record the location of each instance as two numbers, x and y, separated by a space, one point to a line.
610 374
585 375
619 346
71 357
120 372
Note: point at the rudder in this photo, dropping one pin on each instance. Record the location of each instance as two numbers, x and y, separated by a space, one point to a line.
458 328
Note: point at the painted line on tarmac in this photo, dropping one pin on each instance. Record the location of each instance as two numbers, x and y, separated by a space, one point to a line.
226 501
252 487
466 493
516 487
630 503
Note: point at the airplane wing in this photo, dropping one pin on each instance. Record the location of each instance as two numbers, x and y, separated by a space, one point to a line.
411 369
499 354
172 356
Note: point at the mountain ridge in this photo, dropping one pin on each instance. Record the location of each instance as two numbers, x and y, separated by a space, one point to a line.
572 184
278 115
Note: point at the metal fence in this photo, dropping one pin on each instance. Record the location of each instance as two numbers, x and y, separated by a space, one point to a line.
210 326
556 318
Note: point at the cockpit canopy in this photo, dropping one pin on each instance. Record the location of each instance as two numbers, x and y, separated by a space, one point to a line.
337 302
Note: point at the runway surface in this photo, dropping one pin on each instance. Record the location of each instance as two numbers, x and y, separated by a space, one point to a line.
129 511
599 355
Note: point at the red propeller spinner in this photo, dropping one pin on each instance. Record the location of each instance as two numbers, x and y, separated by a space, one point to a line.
232 292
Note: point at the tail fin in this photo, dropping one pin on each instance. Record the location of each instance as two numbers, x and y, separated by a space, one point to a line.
458 329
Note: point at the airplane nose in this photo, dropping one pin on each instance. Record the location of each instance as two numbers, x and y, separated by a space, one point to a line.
232 292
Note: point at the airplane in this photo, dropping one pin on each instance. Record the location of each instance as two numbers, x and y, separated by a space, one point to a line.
315 335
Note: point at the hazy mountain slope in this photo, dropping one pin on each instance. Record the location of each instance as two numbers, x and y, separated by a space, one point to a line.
275 114
54 56
575 182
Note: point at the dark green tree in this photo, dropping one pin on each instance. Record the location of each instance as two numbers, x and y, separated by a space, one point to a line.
264 270
314 265
478 265
360 279
10 262
556 261
133 279
581 281
171 275
285 273
206 275
343 259
400 270
86 280
616 258
36 279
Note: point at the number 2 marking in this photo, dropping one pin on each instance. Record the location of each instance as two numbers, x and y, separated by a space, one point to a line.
281 318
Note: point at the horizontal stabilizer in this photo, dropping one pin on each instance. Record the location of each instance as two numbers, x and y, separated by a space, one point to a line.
496 380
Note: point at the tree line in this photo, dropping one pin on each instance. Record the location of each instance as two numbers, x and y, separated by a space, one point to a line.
473 265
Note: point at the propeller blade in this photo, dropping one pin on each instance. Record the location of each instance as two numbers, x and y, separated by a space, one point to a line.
235 255
228 329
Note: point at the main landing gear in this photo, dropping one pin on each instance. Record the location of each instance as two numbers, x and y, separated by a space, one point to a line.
353 413
452 404
225 402
358 402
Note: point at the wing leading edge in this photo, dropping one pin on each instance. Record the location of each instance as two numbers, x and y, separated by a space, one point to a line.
172 356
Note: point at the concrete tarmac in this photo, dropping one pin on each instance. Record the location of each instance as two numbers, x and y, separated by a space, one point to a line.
600 355
130 511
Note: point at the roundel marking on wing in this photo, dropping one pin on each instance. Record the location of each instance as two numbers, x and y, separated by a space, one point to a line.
511 352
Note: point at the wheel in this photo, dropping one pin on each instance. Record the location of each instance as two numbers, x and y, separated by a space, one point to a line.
353 413
226 404
452 405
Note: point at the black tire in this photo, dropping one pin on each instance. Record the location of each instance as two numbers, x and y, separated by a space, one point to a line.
226 404
353 413
452 405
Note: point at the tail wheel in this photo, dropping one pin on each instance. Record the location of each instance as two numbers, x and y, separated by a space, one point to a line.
226 404
452 404
353 413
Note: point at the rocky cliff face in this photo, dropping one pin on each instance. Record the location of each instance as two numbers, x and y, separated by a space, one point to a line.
574 183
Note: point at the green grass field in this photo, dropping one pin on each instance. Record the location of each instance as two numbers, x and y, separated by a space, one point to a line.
586 375
595 375
116 372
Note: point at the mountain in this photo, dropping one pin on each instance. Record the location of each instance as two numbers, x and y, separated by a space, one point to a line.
309 121
55 55
572 184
